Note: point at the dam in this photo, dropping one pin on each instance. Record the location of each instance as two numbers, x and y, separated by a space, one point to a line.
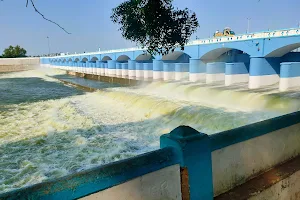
68 137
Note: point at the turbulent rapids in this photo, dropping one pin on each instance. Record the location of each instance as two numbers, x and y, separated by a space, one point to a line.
48 129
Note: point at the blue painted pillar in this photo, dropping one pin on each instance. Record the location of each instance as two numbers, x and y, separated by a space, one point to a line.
124 70
139 71
118 69
194 155
131 69
83 67
236 73
79 66
148 71
215 72
98 67
106 69
181 71
88 67
158 70
263 72
289 75
169 71
111 64
197 70
94 68
70 66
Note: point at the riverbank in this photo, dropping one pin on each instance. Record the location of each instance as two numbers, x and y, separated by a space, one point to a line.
18 64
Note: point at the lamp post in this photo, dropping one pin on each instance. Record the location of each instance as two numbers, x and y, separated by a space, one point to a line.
248 27
48 45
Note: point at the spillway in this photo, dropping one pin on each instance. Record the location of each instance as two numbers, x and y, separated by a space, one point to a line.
49 129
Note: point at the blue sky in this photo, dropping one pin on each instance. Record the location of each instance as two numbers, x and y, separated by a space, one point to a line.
91 27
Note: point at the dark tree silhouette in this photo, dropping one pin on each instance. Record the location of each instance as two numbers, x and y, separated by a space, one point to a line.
155 24
14 52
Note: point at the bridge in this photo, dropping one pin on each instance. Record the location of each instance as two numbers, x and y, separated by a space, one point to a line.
259 59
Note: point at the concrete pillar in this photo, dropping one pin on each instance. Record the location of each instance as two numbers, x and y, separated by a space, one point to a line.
88 68
181 71
119 70
94 68
101 68
148 71
111 68
197 70
131 69
70 67
139 71
81 67
71 64
289 75
169 71
193 150
158 70
263 72
66 65
236 73
98 67
124 70
215 72
91 67
106 69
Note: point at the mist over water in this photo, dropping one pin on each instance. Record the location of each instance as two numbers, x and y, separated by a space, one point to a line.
48 129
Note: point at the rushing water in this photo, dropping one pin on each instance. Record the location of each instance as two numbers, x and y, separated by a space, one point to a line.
48 129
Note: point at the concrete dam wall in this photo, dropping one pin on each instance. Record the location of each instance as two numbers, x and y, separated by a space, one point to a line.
18 64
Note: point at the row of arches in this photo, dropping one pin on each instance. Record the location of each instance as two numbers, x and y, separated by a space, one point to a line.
182 57
178 56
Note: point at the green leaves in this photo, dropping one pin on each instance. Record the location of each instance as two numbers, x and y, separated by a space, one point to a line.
155 24
14 52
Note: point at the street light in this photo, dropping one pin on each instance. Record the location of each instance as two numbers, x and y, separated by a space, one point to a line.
48 45
248 27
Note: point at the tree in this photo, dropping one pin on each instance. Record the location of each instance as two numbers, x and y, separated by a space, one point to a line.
14 52
155 24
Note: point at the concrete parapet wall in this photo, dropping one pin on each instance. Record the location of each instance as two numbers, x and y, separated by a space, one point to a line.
163 184
18 64
281 182
275 141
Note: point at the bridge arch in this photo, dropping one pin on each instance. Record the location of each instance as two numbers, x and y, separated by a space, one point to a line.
123 58
84 59
279 52
106 58
70 60
177 56
76 60
216 53
144 57
94 59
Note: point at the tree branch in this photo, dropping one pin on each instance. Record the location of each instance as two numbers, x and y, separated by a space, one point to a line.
36 10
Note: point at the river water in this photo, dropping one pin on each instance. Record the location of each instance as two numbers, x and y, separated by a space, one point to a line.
48 129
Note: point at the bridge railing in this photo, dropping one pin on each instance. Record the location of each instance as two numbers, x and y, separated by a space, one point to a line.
250 36
256 35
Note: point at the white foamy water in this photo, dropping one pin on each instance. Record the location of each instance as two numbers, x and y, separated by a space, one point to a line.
48 129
